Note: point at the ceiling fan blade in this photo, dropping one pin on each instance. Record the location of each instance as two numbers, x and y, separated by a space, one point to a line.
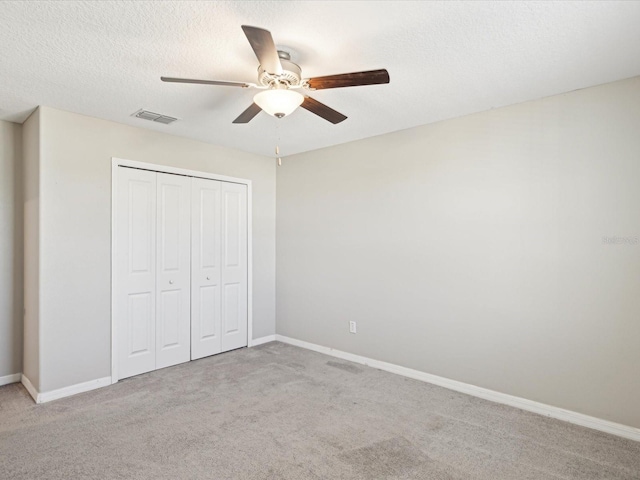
248 114
205 82
371 77
322 110
265 49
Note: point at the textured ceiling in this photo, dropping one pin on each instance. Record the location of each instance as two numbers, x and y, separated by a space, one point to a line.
445 59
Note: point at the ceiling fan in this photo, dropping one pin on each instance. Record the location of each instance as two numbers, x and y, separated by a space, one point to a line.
280 79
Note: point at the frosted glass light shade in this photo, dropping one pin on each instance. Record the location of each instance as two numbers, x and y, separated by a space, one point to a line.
279 102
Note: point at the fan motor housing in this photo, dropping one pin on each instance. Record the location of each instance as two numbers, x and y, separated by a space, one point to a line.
291 74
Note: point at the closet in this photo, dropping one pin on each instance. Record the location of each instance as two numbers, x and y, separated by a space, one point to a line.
180 267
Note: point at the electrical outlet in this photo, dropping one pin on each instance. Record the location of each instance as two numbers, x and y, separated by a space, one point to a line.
352 327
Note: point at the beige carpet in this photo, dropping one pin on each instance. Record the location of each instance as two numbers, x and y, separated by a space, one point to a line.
280 412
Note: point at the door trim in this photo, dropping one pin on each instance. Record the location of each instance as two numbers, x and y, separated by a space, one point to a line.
121 162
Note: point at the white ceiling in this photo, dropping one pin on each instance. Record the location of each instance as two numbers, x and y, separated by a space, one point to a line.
445 59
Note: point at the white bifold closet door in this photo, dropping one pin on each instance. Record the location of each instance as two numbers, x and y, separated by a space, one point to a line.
136 271
218 267
181 269
173 278
153 270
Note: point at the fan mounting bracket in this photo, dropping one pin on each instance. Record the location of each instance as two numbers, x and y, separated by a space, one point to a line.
291 75
284 55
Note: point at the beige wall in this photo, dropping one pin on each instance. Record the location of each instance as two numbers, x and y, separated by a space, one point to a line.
31 183
473 249
76 233
10 248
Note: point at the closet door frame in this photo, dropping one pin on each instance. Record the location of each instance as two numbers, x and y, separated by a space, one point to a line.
121 162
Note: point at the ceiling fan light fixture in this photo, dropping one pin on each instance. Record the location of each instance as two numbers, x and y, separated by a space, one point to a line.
278 102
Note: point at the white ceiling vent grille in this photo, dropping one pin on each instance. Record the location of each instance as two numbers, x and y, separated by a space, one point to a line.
154 117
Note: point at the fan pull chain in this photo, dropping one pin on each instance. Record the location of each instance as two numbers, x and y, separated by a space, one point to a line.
278 146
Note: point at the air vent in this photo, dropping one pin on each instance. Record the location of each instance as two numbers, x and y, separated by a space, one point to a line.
154 117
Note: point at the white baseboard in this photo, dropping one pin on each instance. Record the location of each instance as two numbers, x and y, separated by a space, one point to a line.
66 391
518 402
7 379
259 341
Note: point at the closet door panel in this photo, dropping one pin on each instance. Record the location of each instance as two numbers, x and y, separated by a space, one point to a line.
136 271
173 339
206 306
234 266
209 296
